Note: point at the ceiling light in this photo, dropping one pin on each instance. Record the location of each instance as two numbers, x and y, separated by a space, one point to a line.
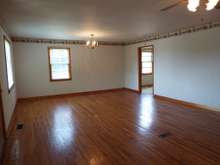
211 4
92 43
193 5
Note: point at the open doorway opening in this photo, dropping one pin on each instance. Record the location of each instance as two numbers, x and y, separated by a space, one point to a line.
146 69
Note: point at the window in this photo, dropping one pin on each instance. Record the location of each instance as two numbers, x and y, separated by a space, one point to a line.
59 64
147 62
9 64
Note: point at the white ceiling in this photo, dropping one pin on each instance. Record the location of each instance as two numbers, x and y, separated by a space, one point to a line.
109 20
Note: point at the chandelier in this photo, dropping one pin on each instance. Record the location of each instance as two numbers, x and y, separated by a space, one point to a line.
92 43
194 4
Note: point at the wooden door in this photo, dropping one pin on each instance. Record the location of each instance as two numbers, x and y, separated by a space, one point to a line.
2 127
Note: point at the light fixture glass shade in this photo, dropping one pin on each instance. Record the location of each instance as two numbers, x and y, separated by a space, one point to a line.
211 4
87 43
92 43
193 5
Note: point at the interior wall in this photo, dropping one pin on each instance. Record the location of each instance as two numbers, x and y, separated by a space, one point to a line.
98 69
186 67
131 67
8 99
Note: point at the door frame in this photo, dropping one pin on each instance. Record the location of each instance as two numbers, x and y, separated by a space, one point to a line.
140 67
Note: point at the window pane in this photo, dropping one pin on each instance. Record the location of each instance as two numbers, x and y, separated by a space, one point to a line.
59 61
147 65
146 56
146 70
146 53
60 71
59 56
9 64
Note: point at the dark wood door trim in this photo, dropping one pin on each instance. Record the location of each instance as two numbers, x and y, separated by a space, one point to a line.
140 67
139 70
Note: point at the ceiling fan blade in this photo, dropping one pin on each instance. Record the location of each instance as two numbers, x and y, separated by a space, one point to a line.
172 6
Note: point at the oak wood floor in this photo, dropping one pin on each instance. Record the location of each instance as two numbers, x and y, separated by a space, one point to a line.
113 128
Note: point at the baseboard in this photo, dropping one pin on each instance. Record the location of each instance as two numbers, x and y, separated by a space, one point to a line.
11 122
132 90
185 103
148 85
71 94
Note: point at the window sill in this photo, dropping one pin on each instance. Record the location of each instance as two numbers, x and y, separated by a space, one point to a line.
59 80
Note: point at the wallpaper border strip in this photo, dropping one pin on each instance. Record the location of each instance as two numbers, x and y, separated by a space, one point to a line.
155 36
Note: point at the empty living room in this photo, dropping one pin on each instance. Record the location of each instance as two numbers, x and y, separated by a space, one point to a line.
119 82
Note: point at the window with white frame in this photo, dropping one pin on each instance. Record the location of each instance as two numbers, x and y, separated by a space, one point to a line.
59 64
147 62
9 64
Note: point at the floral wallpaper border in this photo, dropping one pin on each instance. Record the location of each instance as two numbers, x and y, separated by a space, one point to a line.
178 32
55 41
152 37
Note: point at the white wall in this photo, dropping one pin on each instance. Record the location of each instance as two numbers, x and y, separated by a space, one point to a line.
147 80
9 99
186 67
101 68
131 67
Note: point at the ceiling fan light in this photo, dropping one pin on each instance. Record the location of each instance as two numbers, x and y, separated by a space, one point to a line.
211 4
192 9
193 5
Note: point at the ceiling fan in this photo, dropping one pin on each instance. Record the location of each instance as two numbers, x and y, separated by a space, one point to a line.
193 4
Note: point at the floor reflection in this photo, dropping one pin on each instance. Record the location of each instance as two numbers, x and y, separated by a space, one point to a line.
63 127
146 114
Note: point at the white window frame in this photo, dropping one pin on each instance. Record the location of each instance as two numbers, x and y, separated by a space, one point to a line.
50 65
147 62
9 64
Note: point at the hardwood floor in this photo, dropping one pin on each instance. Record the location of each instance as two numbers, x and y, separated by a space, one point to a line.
113 128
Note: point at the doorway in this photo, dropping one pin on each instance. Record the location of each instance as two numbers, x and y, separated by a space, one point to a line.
146 69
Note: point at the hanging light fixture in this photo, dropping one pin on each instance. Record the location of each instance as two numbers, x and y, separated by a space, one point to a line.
92 43
211 4
193 5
